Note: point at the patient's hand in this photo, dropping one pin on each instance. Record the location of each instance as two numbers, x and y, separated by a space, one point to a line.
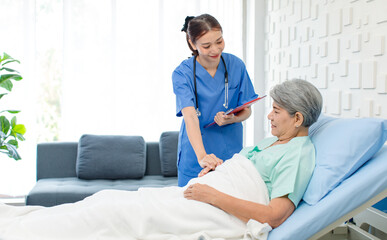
201 192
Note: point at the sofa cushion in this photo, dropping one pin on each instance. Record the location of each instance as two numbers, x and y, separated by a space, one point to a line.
110 157
342 146
54 191
168 153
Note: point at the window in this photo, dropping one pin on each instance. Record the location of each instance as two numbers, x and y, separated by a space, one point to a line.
98 67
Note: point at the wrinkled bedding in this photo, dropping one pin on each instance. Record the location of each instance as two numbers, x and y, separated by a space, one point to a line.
149 213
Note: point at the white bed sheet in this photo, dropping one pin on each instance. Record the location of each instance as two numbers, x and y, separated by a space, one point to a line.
150 213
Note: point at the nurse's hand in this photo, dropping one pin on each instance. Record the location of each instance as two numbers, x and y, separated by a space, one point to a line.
222 119
209 163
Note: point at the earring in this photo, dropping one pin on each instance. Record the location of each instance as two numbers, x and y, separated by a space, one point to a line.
297 126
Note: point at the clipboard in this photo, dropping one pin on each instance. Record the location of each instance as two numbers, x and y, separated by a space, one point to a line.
238 109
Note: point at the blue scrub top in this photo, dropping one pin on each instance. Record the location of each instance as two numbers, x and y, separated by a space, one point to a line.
223 141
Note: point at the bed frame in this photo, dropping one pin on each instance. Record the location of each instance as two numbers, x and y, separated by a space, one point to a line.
355 224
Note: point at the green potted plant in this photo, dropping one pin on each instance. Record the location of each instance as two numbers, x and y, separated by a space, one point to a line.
10 131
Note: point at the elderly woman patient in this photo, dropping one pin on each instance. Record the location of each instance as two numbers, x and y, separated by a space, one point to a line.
261 184
285 162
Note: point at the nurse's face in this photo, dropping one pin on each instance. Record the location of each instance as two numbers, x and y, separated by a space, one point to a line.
283 125
210 46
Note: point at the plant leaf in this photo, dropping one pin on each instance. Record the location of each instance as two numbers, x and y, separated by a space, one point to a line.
12 152
13 142
20 137
13 60
4 125
7 85
13 122
8 69
2 95
12 76
11 111
3 136
6 56
19 128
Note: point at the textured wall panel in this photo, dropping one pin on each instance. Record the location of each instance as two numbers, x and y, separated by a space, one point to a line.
382 83
378 109
323 29
369 74
336 22
323 49
368 107
322 77
379 45
314 71
356 43
347 16
334 102
334 50
338 45
347 101
306 56
344 68
355 75
306 9
381 16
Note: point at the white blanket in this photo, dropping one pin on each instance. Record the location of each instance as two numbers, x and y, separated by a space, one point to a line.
149 213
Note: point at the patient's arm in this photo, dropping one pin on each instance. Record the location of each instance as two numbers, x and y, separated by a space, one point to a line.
275 213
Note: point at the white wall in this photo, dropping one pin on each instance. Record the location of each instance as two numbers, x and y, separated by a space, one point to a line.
338 45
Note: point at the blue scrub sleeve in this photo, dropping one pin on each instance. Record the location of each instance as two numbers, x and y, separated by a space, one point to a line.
183 91
246 90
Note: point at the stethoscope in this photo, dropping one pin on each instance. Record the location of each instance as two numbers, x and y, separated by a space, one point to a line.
225 104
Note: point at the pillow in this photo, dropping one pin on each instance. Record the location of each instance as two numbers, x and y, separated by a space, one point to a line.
168 153
342 146
110 157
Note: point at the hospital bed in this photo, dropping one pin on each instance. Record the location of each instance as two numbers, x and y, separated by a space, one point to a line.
361 187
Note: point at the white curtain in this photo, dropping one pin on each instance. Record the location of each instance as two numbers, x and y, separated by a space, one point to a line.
98 67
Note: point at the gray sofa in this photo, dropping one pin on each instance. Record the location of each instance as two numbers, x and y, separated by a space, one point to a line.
70 171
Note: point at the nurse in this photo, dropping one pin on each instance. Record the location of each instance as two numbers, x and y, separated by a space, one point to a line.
206 85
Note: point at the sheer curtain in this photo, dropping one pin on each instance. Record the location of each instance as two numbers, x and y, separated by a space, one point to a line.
118 61
98 67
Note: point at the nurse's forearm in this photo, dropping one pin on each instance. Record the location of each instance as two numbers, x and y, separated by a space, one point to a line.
243 115
193 131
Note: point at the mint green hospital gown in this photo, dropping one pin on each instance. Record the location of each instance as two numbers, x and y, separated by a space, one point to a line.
285 168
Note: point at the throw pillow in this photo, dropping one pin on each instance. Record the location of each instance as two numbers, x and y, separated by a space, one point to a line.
168 153
111 157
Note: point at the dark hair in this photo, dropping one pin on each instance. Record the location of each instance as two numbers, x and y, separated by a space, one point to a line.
195 27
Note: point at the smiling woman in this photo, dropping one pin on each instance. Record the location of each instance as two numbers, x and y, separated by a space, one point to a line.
285 162
199 84
99 67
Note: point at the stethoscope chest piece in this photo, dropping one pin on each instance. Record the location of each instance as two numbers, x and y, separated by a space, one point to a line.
198 113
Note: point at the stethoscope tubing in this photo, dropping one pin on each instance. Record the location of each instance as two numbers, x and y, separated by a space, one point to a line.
198 113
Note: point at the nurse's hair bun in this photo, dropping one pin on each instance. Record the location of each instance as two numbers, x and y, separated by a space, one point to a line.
185 26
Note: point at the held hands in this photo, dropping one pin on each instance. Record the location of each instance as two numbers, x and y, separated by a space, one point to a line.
208 163
222 119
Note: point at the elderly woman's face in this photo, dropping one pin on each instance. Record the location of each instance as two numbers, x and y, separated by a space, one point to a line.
282 124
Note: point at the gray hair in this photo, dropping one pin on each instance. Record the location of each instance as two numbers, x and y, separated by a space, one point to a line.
298 95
